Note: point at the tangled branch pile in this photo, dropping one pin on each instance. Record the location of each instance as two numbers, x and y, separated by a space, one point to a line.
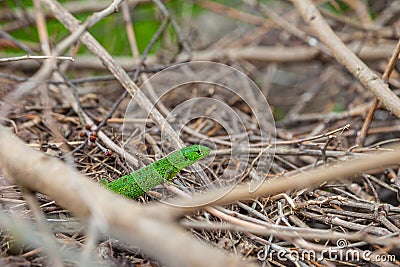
319 153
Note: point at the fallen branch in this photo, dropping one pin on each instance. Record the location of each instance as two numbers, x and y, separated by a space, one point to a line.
254 53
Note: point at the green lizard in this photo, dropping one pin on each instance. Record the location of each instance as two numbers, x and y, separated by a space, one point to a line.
139 182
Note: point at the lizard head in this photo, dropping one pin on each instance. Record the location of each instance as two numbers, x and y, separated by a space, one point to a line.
195 152
186 156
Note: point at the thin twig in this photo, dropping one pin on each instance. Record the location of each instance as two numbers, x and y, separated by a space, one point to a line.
25 57
6 36
385 77
182 41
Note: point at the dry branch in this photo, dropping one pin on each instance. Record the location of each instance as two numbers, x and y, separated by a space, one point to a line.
254 53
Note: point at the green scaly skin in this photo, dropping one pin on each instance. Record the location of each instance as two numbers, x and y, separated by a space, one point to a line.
139 182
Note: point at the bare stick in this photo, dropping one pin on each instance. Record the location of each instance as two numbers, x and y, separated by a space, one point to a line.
178 31
346 57
25 57
41 27
253 53
5 35
385 77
